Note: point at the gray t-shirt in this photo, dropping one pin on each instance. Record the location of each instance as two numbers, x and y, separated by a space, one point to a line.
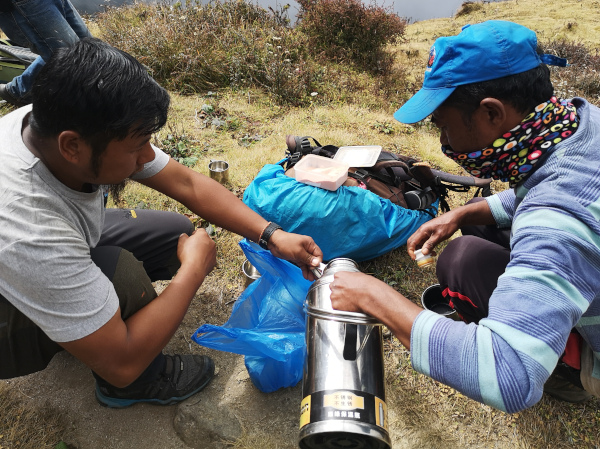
46 232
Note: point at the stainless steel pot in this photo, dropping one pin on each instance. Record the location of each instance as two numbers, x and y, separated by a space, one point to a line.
343 386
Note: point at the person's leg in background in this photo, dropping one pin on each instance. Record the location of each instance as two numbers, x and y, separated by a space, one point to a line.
43 26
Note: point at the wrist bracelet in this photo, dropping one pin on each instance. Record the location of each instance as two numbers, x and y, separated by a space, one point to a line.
262 232
264 238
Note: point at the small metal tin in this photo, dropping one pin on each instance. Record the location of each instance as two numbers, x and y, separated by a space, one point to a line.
422 259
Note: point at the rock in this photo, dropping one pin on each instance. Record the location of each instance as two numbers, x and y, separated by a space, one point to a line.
203 423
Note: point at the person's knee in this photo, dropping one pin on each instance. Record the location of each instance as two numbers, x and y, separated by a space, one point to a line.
458 256
183 223
132 284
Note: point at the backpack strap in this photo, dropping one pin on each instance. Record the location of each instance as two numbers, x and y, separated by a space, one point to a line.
384 171
300 146
469 181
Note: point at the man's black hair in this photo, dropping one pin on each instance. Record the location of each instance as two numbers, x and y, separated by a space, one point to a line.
523 91
100 92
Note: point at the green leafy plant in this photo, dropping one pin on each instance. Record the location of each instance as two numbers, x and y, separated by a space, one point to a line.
181 148
210 116
384 127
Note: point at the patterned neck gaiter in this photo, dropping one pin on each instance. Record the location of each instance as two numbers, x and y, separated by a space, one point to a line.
513 156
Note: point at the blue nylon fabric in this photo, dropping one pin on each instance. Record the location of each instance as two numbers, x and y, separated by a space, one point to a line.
350 222
267 323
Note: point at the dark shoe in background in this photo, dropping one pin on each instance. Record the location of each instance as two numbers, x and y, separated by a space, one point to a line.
182 377
563 389
6 96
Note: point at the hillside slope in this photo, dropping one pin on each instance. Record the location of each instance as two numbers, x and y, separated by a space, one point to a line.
576 21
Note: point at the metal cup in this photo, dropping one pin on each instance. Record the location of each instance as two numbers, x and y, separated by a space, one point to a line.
432 299
249 272
219 171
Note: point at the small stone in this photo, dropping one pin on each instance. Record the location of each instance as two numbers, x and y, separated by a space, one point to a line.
203 423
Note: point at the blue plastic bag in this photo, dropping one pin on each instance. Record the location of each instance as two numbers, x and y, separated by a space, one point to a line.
267 323
350 222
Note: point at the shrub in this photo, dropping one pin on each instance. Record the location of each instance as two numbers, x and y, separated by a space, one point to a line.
181 148
349 31
467 8
580 78
196 47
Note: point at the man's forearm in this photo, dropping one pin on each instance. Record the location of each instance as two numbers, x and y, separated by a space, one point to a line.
208 199
473 214
395 311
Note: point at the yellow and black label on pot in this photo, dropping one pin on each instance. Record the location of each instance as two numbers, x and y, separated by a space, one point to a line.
343 405
305 411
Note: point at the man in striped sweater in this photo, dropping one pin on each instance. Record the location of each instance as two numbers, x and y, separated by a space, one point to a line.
525 275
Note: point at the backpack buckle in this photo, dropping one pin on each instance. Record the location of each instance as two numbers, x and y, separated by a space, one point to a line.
361 174
294 158
305 146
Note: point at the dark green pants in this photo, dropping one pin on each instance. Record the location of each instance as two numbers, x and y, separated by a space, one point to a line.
135 249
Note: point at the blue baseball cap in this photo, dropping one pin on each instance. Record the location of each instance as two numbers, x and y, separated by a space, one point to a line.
481 52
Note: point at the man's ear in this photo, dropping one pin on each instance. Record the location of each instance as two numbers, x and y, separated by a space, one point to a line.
71 146
495 112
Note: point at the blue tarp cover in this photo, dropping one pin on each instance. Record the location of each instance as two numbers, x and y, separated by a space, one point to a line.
267 323
351 222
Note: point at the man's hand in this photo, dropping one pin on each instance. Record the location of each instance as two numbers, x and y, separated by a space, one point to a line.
356 292
443 227
197 252
431 233
359 292
298 249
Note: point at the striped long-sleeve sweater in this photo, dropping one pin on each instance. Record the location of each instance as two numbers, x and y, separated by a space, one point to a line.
551 284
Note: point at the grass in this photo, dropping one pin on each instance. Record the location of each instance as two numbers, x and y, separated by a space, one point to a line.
26 427
246 123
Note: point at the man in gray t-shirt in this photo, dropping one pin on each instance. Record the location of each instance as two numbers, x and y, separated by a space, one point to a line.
77 276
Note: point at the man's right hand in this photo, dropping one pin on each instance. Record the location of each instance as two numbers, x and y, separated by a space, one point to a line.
444 226
431 233
197 252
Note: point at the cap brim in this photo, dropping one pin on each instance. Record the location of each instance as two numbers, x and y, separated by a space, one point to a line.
422 104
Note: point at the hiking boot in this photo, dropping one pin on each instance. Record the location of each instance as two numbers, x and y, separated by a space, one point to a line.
564 390
182 377
7 96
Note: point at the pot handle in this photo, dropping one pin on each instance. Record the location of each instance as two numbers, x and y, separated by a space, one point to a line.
349 352
318 271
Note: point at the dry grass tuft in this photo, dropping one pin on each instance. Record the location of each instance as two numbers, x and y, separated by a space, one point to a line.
468 8
25 427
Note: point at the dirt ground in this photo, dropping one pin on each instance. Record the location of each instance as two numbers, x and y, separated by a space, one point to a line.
423 414
67 387
267 420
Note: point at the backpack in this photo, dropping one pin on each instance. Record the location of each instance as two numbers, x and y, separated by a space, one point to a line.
403 180
398 195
